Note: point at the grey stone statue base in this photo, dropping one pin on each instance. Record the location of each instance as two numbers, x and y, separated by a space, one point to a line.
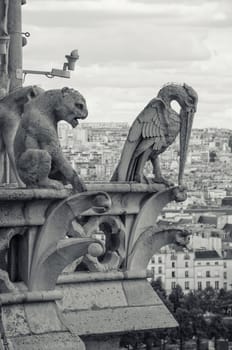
91 313
45 234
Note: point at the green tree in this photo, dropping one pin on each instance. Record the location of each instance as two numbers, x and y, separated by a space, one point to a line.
191 300
208 299
176 297
185 329
158 287
216 328
230 143
199 326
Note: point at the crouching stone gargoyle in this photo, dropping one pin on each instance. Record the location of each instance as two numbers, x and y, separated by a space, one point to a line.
11 109
39 158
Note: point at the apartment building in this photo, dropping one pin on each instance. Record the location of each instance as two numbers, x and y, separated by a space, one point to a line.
192 270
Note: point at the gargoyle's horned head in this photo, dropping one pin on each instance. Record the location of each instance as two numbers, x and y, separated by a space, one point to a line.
72 107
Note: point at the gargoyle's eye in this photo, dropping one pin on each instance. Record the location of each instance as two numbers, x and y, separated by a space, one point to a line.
191 100
79 106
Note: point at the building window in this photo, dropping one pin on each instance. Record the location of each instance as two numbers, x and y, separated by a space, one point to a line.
153 260
173 274
216 284
173 264
225 265
207 263
207 284
186 274
199 285
173 257
186 264
186 257
216 262
160 269
225 275
199 263
159 260
186 285
225 285
207 273
173 285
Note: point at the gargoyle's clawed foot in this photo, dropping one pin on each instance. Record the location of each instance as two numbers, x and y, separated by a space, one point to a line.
21 184
48 183
140 179
180 194
162 180
101 204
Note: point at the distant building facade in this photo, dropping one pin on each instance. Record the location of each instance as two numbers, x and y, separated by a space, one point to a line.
192 270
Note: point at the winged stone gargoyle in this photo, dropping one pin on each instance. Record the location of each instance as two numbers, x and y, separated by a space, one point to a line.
154 130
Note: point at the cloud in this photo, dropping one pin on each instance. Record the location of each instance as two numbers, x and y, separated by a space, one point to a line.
85 13
129 49
118 44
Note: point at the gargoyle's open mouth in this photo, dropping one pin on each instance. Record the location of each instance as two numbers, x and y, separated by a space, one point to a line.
74 122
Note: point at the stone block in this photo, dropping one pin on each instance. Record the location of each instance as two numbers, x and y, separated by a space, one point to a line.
14 320
43 317
56 341
139 293
118 320
92 296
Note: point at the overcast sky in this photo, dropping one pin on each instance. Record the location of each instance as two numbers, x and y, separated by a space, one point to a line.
129 48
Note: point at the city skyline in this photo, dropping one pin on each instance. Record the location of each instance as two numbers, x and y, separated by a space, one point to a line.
129 49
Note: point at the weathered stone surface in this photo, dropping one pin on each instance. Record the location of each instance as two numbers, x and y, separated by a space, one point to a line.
147 217
139 294
52 341
11 108
92 296
115 320
140 187
151 241
153 130
11 214
88 309
43 318
15 321
112 307
93 304
55 230
39 158
17 194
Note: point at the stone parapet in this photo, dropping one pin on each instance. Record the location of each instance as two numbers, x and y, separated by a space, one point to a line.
79 315
75 275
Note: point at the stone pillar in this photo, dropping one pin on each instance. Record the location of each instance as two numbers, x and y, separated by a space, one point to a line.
15 47
10 64
4 77
4 48
15 58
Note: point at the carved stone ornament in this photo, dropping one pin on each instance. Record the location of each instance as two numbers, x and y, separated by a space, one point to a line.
53 251
154 130
67 259
11 109
39 157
